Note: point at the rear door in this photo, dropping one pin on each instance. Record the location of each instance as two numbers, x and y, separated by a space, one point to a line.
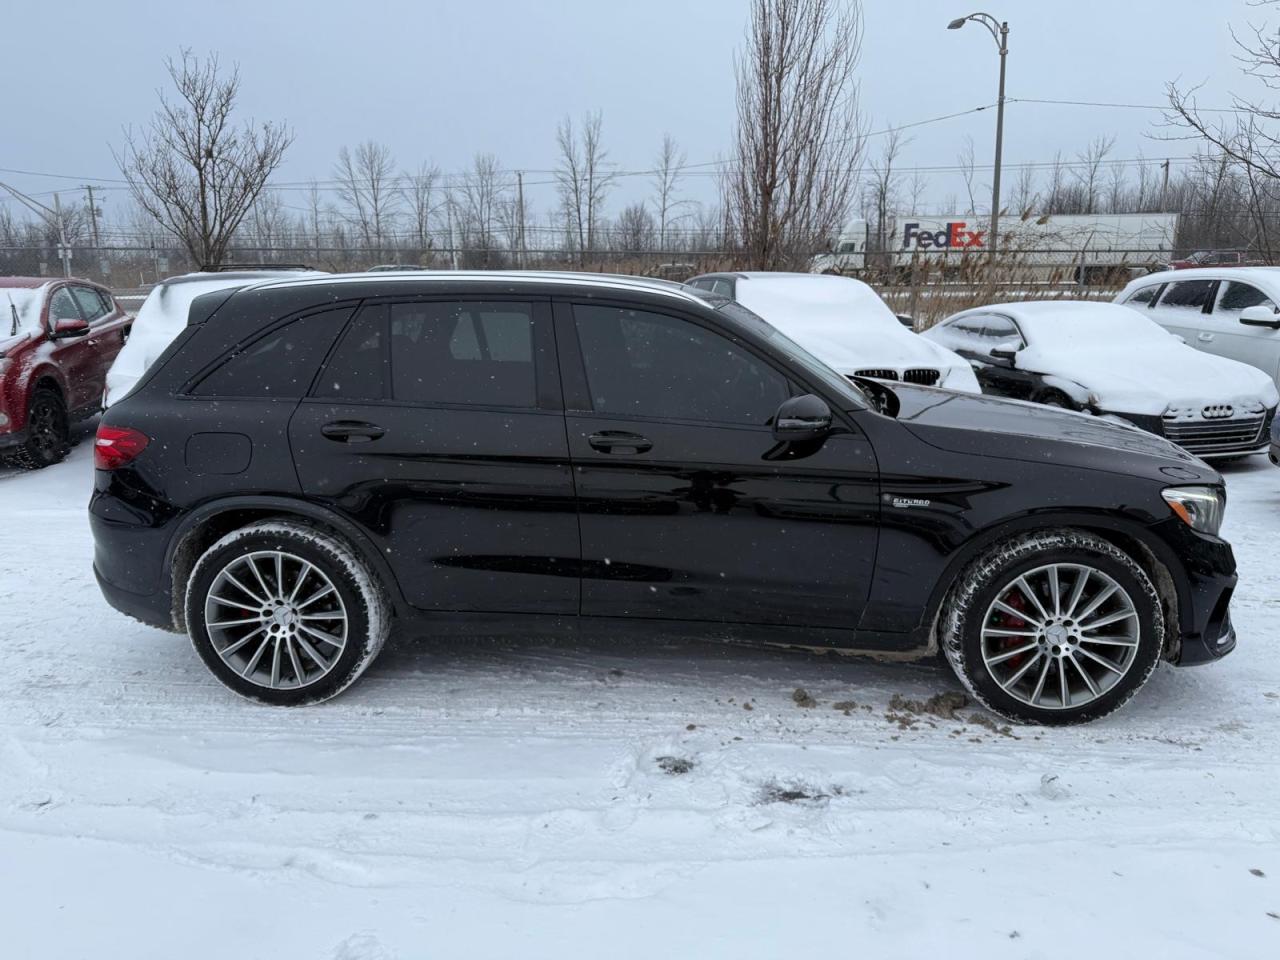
437 426
76 357
1182 309
689 509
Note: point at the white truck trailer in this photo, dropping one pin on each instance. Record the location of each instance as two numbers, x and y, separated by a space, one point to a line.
1083 248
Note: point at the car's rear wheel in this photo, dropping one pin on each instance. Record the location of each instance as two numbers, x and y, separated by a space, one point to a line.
285 613
1056 627
48 431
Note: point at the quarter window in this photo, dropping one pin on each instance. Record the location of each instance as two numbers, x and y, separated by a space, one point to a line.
280 364
357 369
1237 297
650 365
1144 294
1188 294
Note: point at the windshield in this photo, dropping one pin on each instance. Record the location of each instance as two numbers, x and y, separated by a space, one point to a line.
797 354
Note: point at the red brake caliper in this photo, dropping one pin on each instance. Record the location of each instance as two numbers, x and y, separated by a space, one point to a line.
1007 621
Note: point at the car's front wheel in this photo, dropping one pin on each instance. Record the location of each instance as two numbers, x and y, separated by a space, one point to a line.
1055 627
285 613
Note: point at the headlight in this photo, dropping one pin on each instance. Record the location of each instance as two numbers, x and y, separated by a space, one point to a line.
1200 508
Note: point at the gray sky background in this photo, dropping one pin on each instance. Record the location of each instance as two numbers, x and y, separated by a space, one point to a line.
441 81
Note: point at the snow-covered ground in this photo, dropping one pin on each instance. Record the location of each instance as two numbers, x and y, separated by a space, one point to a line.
499 799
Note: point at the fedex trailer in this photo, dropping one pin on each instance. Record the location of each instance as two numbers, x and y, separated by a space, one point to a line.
1084 248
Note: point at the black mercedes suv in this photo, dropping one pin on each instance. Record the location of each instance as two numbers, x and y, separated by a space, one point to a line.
315 458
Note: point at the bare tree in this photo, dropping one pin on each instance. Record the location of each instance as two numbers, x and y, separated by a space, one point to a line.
799 135
883 187
365 183
419 195
634 230
666 182
1024 197
582 178
1087 173
479 197
967 162
193 169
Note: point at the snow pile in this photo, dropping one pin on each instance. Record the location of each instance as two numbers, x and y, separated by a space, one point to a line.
844 323
1127 361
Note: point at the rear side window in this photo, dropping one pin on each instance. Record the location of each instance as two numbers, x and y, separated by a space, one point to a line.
1145 294
90 303
1238 296
281 363
1188 294
463 352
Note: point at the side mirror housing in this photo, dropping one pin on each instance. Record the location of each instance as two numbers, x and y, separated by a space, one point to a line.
802 418
1260 316
64 329
1004 356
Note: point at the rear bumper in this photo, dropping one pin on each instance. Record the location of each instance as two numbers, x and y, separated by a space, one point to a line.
152 609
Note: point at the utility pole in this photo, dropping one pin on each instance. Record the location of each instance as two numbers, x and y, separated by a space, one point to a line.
93 215
51 217
1164 186
520 252
453 244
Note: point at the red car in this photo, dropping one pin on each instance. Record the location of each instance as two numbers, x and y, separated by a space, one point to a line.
58 338
1216 258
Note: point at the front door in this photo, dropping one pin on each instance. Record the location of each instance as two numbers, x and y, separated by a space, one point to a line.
437 426
75 356
689 509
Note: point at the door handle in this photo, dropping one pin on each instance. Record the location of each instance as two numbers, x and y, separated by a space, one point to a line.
352 431
1205 337
619 441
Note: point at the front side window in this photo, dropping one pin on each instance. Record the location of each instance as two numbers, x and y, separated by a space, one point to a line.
477 352
90 303
62 306
1188 294
281 363
651 365
1238 297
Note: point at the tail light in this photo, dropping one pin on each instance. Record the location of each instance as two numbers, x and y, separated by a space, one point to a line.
116 446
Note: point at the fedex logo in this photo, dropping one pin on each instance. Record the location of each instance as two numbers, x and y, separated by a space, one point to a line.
956 236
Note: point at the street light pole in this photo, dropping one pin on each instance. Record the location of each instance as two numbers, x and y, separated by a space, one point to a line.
1000 33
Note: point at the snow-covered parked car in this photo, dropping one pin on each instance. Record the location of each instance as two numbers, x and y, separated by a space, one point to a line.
1228 311
163 315
843 322
1107 359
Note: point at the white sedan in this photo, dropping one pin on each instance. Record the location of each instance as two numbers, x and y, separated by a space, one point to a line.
1107 359
844 323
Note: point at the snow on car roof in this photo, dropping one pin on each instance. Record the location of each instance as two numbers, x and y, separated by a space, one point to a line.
1205 273
809 299
1073 322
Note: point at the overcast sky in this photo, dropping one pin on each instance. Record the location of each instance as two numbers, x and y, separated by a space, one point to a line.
442 81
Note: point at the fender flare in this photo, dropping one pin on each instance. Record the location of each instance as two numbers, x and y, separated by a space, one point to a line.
282 506
1104 524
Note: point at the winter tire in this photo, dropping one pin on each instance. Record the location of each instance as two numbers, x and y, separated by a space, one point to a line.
48 431
1056 627
285 613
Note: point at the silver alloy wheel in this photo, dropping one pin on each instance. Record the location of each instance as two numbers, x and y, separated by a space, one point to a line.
276 619
1060 636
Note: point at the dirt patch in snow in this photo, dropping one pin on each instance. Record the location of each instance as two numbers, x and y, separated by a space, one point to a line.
675 766
801 696
796 792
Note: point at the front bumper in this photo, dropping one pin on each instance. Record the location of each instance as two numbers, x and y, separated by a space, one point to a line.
1204 584
10 440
